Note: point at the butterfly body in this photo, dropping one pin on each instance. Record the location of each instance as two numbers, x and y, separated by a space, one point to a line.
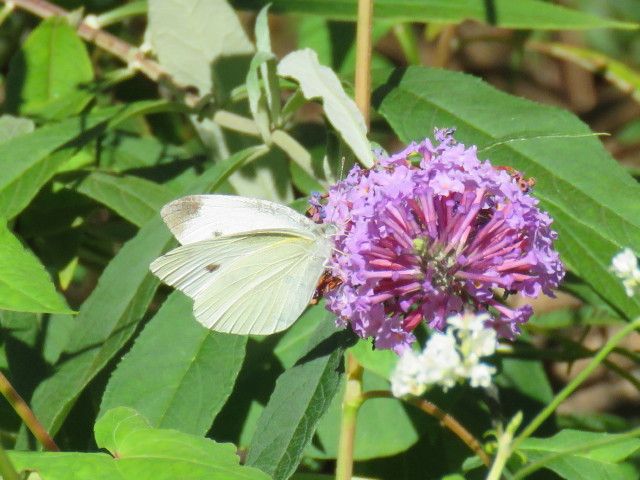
251 266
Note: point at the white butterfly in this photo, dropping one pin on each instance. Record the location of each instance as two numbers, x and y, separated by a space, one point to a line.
251 266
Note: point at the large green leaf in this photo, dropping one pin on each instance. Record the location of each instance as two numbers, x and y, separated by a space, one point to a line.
189 370
594 202
302 395
25 285
46 73
577 455
139 452
111 314
525 14
133 198
26 162
189 37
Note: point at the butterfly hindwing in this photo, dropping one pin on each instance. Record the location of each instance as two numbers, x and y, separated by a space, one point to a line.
265 291
192 267
257 282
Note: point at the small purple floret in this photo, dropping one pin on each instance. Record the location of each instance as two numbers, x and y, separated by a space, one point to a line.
432 231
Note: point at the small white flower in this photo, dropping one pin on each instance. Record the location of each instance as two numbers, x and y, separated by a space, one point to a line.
448 358
405 379
480 375
625 266
441 360
468 321
625 263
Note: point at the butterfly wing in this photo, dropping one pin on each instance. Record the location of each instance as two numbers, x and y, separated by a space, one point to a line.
192 267
202 217
254 283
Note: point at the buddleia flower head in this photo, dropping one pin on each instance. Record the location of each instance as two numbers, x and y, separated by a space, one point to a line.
430 232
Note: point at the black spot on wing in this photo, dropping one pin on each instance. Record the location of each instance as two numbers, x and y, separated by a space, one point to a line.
212 267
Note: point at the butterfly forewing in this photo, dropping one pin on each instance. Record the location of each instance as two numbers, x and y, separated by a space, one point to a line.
202 217
251 266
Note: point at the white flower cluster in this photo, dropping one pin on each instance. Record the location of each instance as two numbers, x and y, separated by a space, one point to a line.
448 358
625 266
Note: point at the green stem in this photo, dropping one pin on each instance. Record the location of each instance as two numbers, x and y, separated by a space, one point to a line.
575 383
7 470
351 403
26 414
408 42
503 455
121 13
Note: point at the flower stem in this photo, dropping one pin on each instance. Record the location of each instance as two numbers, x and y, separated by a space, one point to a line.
26 414
7 470
350 406
444 418
353 392
363 58
575 383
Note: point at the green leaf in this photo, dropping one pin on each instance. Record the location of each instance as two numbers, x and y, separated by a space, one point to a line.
25 285
183 387
111 314
27 164
317 81
577 455
11 127
528 378
47 72
371 440
379 361
266 178
302 395
578 182
525 14
570 317
139 452
133 198
189 37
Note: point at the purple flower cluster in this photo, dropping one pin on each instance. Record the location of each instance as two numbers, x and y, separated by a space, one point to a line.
430 232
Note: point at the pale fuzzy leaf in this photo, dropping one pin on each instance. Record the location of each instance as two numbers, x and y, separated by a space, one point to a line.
189 35
318 81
